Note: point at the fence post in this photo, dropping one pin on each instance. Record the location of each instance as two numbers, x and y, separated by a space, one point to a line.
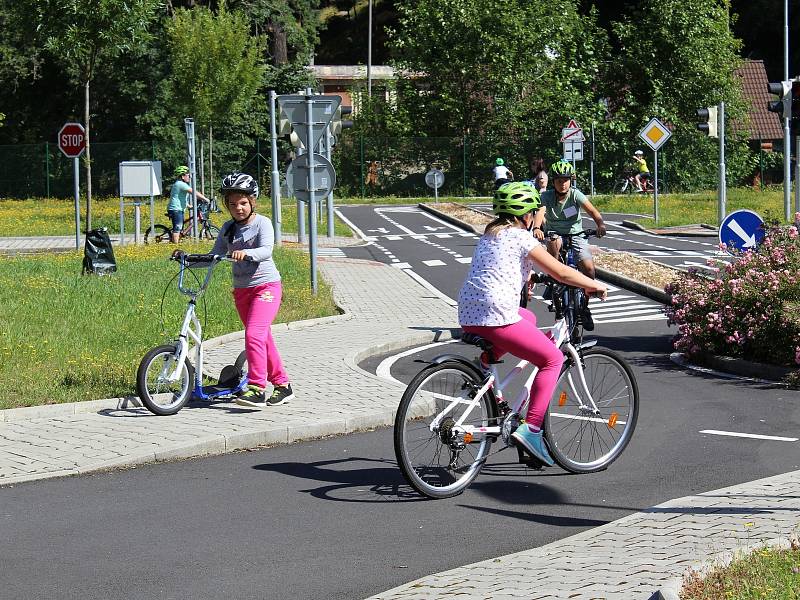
47 168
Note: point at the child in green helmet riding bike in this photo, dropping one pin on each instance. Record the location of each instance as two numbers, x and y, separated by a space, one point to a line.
178 200
488 303
502 174
562 215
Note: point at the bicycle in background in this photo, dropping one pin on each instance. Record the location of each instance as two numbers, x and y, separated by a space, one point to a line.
207 230
626 184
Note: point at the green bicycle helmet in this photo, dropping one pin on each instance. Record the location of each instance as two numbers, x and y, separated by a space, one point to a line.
181 171
499 162
516 198
562 168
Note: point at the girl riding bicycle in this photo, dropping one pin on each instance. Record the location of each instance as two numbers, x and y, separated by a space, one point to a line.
488 303
249 239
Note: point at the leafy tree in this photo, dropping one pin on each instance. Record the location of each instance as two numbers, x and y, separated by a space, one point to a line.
80 34
216 69
507 73
675 57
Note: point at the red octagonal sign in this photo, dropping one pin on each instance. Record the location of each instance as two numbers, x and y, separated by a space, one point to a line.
72 140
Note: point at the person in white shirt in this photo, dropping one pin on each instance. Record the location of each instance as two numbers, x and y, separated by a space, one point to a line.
488 303
502 174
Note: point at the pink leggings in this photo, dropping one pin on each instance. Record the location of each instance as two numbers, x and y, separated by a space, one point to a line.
524 340
257 307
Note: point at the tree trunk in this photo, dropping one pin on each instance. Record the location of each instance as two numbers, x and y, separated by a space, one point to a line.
280 52
88 157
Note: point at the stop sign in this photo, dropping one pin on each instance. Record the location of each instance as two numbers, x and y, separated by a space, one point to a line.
72 139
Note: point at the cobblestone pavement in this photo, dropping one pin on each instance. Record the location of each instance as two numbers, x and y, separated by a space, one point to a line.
641 556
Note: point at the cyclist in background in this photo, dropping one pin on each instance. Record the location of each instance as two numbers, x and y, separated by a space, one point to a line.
643 172
562 215
502 174
488 301
178 201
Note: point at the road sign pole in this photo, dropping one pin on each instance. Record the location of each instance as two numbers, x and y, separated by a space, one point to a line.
189 123
327 137
722 194
76 168
655 186
275 178
312 202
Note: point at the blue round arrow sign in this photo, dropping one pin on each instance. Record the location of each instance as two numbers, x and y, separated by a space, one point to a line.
742 229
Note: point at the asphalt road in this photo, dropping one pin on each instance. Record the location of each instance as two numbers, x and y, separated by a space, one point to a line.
333 518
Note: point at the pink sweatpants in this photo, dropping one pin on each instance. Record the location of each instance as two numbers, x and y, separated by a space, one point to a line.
257 307
524 340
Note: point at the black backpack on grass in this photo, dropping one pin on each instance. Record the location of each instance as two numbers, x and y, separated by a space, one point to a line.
98 255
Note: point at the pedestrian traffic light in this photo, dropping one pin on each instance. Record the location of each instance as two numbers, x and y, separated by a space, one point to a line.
337 124
783 105
708 121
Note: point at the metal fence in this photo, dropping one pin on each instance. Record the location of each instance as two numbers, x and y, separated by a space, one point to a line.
364 166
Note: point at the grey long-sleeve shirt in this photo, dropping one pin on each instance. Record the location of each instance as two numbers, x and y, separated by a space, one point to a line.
257 239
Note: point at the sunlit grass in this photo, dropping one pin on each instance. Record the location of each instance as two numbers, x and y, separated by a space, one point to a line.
765 573
66 337
684 209
43 217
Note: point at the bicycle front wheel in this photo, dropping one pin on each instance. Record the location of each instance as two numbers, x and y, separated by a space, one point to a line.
163 385
436 458
157 234
581 440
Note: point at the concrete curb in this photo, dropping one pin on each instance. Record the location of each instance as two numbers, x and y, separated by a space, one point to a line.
622 281
684 233
452 220
735 368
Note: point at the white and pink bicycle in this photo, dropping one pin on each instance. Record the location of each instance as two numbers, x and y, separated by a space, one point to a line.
452 411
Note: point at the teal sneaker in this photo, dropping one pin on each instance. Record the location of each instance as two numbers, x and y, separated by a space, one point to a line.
533 443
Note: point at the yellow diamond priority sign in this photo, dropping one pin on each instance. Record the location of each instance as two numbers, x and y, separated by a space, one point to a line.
655 134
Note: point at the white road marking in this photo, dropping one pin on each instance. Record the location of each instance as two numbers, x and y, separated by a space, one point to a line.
384 369
465 260
351 225
660 317
402 265
428 286
755 436
433 263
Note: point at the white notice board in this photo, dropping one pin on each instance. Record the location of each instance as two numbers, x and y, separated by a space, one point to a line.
139 178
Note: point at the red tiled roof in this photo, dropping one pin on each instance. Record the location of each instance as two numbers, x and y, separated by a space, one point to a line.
762 123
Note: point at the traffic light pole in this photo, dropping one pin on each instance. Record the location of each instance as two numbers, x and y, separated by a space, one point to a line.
787 139
275 178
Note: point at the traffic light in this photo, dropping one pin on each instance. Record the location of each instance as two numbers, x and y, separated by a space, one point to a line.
708 121
337 124
795 110
782 106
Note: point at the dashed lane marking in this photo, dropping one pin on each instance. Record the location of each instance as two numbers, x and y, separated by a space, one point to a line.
755 436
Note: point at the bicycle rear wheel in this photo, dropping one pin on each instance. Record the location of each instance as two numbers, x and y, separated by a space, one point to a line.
160 395
157 234
579 440
210 232
434 457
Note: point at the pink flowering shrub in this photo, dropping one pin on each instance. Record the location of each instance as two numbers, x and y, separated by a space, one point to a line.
752 309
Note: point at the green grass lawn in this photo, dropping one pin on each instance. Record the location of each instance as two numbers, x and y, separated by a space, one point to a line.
40 217
66 337
684 209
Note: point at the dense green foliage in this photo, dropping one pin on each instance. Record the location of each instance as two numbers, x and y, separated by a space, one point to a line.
487 77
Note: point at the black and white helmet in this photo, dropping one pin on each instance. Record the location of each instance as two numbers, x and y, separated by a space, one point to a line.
239 182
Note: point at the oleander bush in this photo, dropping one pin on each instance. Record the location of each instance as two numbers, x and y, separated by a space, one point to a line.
751 309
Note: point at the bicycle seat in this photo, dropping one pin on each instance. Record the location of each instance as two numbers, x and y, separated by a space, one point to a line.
476 340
